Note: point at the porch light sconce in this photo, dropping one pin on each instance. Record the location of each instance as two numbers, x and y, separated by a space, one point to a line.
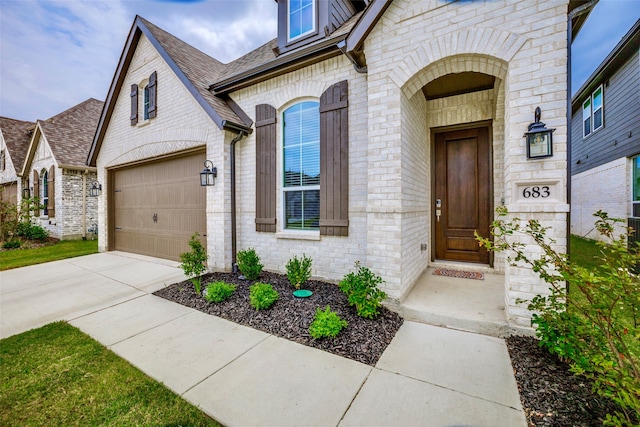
95 189
26 193
539 139
208 174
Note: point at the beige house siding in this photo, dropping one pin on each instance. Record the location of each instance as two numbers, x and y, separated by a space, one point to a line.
180 124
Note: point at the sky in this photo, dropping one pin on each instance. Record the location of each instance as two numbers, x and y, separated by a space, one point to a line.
55 54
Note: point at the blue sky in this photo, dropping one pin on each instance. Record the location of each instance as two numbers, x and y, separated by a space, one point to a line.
55 54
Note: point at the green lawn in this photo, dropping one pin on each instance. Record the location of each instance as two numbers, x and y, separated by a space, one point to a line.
584 252
58 376
64 249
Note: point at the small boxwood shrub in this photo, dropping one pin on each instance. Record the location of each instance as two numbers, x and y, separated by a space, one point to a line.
262 296
249 263
194 262
326 323
32 231
11 244
299 270
219 291
362 291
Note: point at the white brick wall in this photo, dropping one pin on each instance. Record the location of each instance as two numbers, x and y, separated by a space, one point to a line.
606 187
9 173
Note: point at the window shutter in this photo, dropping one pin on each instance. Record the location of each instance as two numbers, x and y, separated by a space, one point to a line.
134 104
51 203
334 161
153 89
265 168
36 191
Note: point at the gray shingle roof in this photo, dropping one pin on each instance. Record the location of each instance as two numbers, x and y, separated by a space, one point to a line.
17 134
200 69
70 133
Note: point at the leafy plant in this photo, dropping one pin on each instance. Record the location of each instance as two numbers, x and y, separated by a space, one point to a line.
219 291
15 220
597 326
32 231
262 296
249 263
299 270
11 244
362 291
326 323
194 262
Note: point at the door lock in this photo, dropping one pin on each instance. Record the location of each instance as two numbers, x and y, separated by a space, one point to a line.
438 209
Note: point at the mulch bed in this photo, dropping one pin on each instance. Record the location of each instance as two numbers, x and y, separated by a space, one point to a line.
551 395
363 340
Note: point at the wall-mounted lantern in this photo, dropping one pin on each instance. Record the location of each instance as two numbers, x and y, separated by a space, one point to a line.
95 190
539 139
208 174
26 193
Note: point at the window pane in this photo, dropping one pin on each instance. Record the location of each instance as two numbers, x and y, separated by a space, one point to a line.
597 99
300 17
146 103
587 126
302 145
292 166
597 119
302 210
586 109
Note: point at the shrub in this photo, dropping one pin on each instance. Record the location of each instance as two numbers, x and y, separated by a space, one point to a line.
194 262
326 323
597 326
262 296
249 264
299 270
11 244
219 291
32 231
362 291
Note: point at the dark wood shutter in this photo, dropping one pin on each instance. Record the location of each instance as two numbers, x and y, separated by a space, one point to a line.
334 161
153 88
36 192
134 105
265 168
51 185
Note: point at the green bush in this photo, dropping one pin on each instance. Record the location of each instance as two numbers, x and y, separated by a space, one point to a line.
249 263
326 323
31 231
596 327
219 291
299 270
194 262
262 296
362 291
11 244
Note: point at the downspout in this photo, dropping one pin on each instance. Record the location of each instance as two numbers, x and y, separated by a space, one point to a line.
84 205
234 141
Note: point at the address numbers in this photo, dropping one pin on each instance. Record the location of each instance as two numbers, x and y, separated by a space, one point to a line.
536 192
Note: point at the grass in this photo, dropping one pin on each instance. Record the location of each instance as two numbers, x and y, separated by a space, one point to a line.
57 375
585 253
64 249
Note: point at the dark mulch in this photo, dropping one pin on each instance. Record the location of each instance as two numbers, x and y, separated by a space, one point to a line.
551 395
363 340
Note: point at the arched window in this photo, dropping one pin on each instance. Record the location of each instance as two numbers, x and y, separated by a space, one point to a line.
301 166
44 189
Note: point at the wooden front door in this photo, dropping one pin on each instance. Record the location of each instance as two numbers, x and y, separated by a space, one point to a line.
462 196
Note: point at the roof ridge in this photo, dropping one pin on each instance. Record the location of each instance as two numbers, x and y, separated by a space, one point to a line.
69 110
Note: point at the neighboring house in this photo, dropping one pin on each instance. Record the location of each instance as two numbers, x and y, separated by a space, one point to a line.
384 132
605 140
14 142
55 170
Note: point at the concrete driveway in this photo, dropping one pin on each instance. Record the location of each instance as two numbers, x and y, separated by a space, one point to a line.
428 376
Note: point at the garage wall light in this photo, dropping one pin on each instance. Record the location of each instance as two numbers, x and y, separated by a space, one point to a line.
95 190
208 174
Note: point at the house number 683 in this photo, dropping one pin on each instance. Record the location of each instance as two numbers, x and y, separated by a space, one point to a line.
536 192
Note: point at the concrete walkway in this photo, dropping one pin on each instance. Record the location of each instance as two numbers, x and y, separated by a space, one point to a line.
428 376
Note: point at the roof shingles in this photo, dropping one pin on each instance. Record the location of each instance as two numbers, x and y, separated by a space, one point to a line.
17 134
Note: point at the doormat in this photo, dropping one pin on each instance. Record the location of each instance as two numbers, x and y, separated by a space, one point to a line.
458 274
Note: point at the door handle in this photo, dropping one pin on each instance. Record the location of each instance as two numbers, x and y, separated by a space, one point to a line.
155 217
438 209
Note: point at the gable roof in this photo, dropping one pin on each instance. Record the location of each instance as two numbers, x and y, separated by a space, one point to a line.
195 69
626 47
69 134
17 134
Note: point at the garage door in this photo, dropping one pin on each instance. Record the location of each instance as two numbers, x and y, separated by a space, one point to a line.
158 206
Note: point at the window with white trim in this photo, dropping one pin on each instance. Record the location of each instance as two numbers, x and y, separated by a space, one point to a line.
145 104
635 176
593 112
301 166
301 18
3 161
44 189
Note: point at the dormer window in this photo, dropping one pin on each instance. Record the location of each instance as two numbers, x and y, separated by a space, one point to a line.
301 18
